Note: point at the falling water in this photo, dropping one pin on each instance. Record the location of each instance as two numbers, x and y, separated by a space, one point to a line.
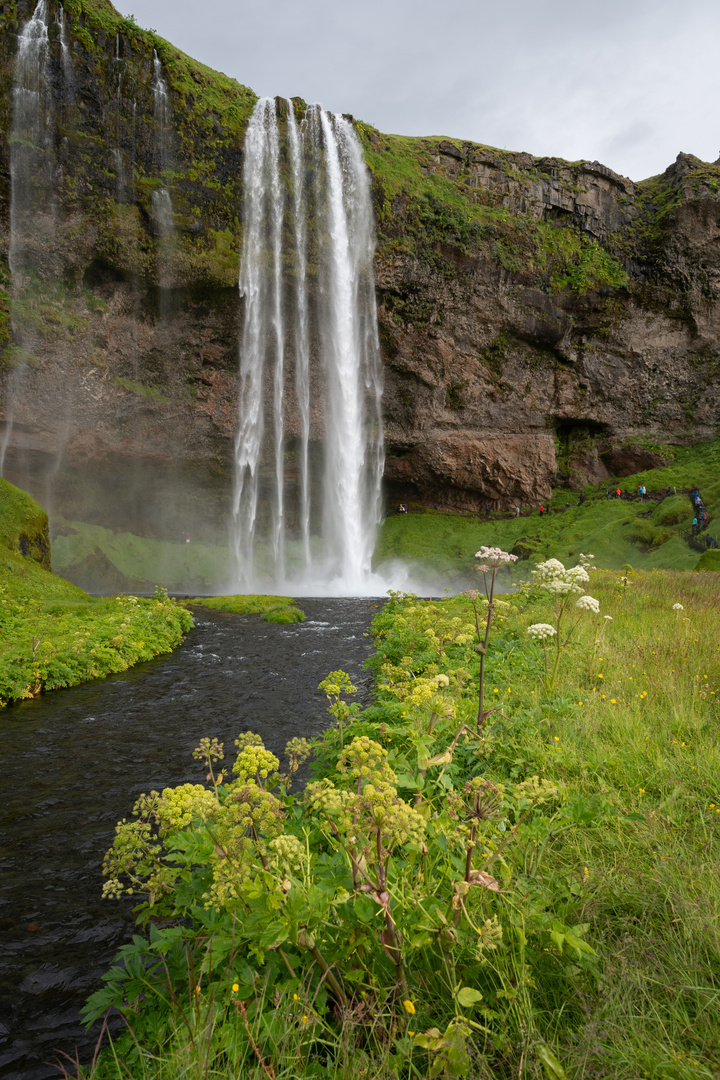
162 113
31 153
260 277
162 200
307 205
68 75
32 174
302 342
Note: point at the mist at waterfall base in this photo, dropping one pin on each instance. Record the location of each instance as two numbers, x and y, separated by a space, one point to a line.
301 512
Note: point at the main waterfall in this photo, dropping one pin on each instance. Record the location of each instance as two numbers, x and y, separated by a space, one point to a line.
309 449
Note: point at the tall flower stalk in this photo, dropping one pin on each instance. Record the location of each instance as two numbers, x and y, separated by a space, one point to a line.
564 585
492 560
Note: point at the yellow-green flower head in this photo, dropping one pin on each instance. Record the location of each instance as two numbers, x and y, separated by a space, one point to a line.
288 852
209 750
180 806
255 762
536 791
248 738
364 758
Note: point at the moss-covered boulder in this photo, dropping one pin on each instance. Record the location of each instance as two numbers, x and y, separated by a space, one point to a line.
23 525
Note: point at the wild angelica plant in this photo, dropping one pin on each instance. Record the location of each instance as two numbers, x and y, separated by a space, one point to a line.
563 584
492 560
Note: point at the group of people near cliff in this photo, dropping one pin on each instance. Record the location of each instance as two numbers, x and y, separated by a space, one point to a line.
701 519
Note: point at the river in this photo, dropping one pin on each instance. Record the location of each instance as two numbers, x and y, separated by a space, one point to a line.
73 763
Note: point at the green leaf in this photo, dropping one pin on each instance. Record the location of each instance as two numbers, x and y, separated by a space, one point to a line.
366 909
467 997
553 1068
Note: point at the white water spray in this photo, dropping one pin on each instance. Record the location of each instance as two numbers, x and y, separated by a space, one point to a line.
307 279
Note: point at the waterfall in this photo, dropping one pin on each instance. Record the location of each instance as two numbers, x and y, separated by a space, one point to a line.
307 279
68 75
260 278
161 99
161 199
302 343
31 151
32 184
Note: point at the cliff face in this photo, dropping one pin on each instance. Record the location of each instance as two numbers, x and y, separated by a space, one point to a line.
573 329
539 319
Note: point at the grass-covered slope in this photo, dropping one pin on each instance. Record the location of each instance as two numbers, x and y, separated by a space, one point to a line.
649 535
105 561
52 634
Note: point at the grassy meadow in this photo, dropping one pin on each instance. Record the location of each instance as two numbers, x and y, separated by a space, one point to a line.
647 535
536 896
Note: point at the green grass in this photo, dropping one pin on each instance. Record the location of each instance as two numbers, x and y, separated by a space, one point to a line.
52 634
449 209
23 525
644 534
142 390
143 562
599 955
277 609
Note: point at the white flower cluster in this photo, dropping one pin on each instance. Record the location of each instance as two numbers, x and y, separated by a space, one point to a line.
541 630
588 603
678 607
554 578
494 556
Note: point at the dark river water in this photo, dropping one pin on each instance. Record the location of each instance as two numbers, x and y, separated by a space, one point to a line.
73 763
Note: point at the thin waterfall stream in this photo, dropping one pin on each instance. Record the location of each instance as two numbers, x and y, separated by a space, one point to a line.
75 761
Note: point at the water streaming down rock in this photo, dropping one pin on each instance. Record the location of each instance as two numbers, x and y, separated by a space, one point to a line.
307 279
68 75
32 183
162 205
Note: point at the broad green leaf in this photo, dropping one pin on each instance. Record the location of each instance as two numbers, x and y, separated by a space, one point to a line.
466 996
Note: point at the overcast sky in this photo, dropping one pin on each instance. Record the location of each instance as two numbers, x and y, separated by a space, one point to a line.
629 83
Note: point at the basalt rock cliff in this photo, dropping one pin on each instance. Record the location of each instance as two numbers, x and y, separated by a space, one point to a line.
540 320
